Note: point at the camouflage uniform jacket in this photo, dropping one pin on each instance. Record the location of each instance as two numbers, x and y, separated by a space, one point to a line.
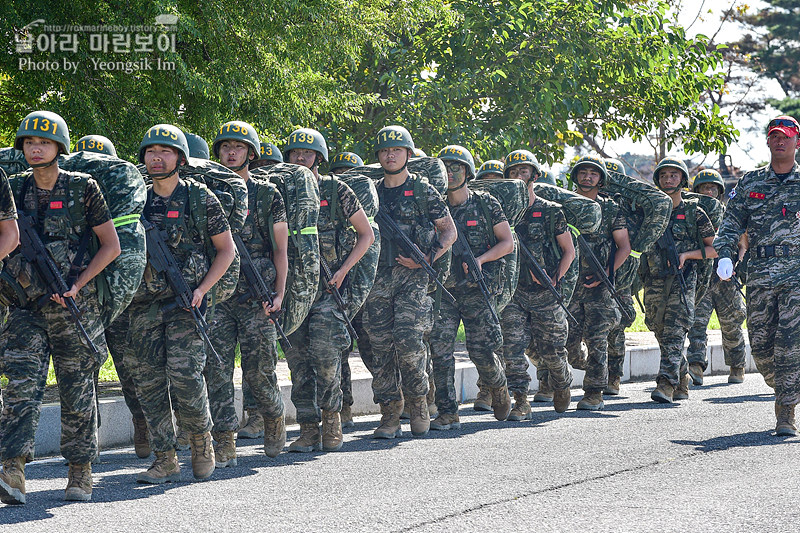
8 210
601 240
689 224
541 223
337 204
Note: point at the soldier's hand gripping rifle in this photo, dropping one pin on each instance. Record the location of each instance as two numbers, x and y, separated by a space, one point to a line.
160 256
541 276
35 252
393 232
257 288
474 273
327 276
667 243
599 272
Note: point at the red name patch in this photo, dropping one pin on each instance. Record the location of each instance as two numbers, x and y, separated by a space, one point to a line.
472 222
536 214
680 217
172 214
758 195
408 193
323 203
56 205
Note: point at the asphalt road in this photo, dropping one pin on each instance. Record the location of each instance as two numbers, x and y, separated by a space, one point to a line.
711 463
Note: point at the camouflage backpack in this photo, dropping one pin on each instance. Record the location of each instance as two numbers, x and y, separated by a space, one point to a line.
705 268
431 169
12 161
298 186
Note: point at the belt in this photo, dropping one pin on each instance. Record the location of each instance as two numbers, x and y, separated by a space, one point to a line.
777 250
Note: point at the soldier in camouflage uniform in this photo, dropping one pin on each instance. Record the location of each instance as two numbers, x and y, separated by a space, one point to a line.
592 304
314 360
397 308
765 205
168 355
534 317
63 207
489 239
242 319
727 300
669 311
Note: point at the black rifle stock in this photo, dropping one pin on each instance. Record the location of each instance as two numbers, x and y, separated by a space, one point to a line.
35 252
475 274
257 288
327 275
667 243
600 272
393 231
160 256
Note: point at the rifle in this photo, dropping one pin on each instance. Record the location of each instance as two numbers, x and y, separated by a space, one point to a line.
541 275
393 231
162 260
461 248
35 252
257 288
667 243
599 271
327 275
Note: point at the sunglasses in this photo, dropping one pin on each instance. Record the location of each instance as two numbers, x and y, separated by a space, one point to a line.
785 122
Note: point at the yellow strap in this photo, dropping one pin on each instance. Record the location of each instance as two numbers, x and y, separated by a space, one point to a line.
125 219
636 254
310 230
575 231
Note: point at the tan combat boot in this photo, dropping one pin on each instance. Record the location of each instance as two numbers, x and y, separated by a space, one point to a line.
420 416
612 389
12 481
786 422
561 399
163 470
484 400
736 375
682 390
182 443
79 483
522 409
390 420
331 431
591 401
141 439
309 440
501 402
696 372
274 435
225 450
202 455
545 392
254 429
663 391
446 421
346 415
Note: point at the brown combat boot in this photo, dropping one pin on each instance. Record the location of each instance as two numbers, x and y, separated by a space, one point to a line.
446 421
202 455
786 422
682 390
390 420
736 375
696 372
164 469
331 431
420 416
561 399
225 450
274 435
501 402
612 389
545 392
254 429
484 400
310 439
522 409
141 439
12 481
346 414
79 483
663 391
182 443
591 401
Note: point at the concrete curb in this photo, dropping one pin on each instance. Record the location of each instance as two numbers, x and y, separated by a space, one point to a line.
641 364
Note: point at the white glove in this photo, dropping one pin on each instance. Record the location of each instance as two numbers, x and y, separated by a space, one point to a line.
725 268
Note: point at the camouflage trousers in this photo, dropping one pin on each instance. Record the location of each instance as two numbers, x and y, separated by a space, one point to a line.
396 315
533 317
27 342
596 312
364 351
616 337
167 359
118 347
725 298
244 324
315 360
483 338
773 314
671 330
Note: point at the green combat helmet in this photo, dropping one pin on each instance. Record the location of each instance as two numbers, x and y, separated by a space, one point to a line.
709 176
309 139
547 177
165 135
671 162
492 166
344 161
419 152
460 154
270 152
97 144
198 147
47 125
615 165
522 157
593 161
392 136
243 132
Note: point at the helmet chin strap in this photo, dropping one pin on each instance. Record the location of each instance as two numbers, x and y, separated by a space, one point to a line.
400 170
48 164
584 188
165 175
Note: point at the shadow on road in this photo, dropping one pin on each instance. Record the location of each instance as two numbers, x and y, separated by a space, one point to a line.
742 399
741 440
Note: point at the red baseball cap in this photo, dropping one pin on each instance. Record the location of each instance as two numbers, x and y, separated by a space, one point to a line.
784 124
